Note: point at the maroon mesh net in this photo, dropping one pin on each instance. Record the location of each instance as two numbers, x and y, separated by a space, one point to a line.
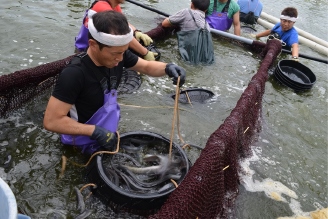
208 191
19 87
209 188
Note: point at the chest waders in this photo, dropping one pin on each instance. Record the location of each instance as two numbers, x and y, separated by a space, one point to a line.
220 20
107 116
196 46
81 40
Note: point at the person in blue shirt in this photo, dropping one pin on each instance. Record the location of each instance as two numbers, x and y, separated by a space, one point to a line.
250 10
285 31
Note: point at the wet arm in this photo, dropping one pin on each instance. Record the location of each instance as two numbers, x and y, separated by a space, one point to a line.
295 49
264 33
136 46
166 23
151 68
236 23
56 119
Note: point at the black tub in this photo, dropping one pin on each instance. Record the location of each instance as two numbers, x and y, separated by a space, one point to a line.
294 75
118 197
194 94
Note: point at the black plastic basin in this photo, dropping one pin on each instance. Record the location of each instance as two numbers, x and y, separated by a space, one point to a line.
131 201
294 75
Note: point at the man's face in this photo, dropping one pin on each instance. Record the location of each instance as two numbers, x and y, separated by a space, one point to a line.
286 24
110 56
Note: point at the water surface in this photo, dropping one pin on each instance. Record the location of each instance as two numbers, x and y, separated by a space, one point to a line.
287 173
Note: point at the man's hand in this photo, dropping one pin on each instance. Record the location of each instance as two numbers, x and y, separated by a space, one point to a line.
144 37
105 139
254 36
174 71
150 56
295 58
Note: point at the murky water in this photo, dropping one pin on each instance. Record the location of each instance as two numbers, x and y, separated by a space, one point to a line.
288 172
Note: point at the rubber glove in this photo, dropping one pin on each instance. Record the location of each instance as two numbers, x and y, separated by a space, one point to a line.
295 58
105 139
144 37
174 71
150 56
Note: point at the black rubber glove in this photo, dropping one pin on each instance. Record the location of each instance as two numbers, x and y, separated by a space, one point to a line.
174 71
106 139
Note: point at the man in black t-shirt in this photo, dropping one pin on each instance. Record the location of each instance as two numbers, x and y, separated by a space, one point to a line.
83 106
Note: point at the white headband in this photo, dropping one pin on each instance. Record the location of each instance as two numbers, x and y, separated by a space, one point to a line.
109 39
285 17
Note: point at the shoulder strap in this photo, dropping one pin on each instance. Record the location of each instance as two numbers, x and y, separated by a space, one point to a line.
226 7
192 17
93 3
108 80
215 5
77 59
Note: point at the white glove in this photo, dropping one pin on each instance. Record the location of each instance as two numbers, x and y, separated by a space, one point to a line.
254 36
144 37
150 56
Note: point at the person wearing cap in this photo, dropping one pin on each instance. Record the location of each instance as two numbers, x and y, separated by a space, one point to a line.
81 40
285 31
83 106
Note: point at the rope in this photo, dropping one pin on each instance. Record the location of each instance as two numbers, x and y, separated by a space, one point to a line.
176 103
65 159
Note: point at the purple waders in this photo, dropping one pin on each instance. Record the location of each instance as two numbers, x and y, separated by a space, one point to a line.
81 40
220 20
107 117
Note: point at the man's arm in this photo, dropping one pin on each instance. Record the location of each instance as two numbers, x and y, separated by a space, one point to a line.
151 68
295 50
236 23
136 46
56 119
166 23
262 34
158 69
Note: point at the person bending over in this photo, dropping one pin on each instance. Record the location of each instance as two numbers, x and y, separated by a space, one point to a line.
83 106
81 40
194 37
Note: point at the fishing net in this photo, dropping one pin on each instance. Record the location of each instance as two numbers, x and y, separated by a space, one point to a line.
20 87
211 185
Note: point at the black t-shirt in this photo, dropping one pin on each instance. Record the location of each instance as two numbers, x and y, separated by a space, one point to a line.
79 85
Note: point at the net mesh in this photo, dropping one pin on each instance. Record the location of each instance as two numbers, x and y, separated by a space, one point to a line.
20 87
211 185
